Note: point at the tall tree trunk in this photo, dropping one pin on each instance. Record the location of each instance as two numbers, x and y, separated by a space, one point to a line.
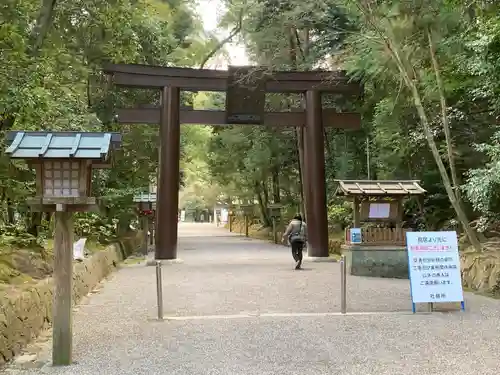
444 118
409 77
123 226
38 33
276 185
35 220
403 67
10 212
444 174
260 193
42 25
265 193
299 131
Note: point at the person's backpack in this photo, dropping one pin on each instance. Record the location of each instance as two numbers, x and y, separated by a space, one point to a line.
296 236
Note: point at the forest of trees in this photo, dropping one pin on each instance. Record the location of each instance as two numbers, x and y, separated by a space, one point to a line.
50 78
430 70
430 112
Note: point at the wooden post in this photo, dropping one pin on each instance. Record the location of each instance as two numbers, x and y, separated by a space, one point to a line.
62 333
246 225
399 219
275 235
152 229
356 213
145 228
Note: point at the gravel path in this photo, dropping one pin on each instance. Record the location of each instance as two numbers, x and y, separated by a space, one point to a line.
237 306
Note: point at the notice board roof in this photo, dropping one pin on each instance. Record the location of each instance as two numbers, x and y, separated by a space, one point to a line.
145 197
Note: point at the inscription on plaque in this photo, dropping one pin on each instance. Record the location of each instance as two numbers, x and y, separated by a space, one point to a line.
245 96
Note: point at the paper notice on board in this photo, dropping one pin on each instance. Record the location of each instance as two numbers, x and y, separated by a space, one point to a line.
79 249
379 210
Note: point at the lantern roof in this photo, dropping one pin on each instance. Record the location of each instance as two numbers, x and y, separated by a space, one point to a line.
61 145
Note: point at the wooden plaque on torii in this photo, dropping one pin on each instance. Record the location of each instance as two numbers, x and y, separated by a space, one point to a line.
245 95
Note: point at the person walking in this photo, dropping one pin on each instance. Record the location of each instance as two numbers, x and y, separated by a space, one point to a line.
296 234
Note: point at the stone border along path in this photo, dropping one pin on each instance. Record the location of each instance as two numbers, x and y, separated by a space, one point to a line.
237 306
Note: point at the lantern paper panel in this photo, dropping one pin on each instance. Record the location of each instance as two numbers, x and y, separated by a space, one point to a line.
61 178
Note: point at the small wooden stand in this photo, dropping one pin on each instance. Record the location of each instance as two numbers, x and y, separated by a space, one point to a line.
247 210
275 232
274 212
145 234
146 207
152 230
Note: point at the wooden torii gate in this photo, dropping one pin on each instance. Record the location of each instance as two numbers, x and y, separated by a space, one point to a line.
245 89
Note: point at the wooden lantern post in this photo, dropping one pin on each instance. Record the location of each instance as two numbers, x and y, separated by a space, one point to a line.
230 218
247 210
146 206
239 213
63 162
218 214
152 226
274 212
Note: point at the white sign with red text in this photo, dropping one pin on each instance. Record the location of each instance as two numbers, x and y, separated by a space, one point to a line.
434 267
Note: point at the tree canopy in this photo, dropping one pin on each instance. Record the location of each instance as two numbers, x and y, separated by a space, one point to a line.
430 111
430 71
51 78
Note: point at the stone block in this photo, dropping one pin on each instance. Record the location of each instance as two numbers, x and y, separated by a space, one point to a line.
377 261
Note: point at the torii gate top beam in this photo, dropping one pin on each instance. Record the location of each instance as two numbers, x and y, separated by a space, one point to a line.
156 77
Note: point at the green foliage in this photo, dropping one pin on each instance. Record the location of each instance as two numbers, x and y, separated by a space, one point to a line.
340 214
483 184
94 227
61 87
13 235
291 34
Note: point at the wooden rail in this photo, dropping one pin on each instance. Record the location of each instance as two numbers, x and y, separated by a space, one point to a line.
381 236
